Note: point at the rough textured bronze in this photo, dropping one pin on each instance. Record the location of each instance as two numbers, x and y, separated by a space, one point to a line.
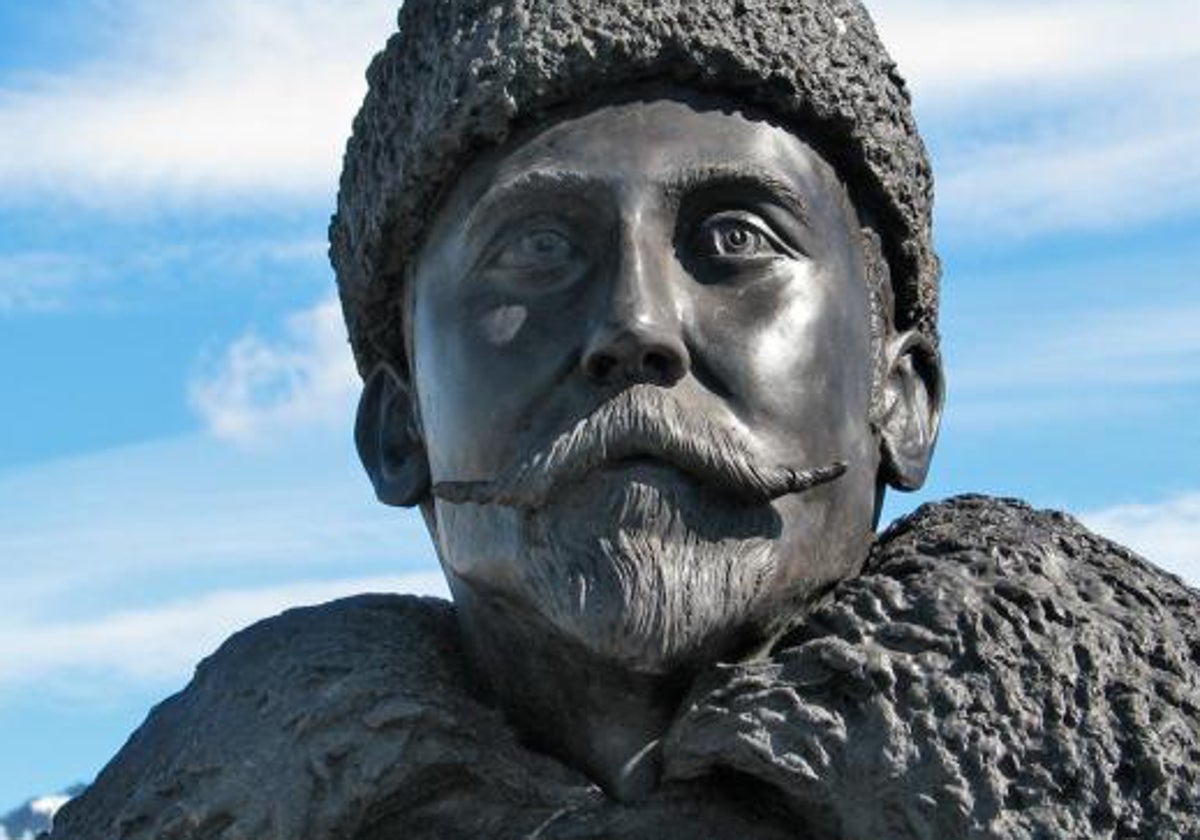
997 672
462 75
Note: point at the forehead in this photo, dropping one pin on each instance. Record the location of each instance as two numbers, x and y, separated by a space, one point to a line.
656 143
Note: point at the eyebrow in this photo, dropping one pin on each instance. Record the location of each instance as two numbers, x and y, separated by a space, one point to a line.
744 176
532 182
676 186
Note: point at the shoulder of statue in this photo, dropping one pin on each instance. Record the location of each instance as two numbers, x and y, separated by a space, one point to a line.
995 670
1003 558
299 726
989 537
408 642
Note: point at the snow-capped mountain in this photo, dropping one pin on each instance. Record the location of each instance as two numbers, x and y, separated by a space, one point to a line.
34 816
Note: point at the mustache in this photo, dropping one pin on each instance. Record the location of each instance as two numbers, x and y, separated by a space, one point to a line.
639 422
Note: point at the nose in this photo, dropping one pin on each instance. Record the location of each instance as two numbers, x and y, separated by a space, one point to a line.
627 357
638 340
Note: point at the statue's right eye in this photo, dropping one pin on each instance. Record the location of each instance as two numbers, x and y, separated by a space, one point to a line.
541 249
738 235
538 258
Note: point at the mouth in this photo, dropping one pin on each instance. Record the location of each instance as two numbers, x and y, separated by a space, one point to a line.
651 469
758 487
634 462
640 431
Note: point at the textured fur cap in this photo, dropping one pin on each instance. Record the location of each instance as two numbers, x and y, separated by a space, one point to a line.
461 75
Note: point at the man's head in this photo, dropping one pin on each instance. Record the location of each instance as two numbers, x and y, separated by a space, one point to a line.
654 347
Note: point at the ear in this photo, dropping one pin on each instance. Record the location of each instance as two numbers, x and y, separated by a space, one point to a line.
912 410
389 443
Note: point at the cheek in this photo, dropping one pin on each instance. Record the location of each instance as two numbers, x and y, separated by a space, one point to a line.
480 544
817 380
500 325
484 367
794 356
455 381
787 347
802 334
827 534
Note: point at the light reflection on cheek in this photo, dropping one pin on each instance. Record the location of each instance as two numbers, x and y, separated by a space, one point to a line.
784 344
501 325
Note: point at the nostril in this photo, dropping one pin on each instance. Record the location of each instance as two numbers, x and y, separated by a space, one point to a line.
660 367
599 366
628 358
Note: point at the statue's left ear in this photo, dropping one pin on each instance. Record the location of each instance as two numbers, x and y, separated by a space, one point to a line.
389 443
912 409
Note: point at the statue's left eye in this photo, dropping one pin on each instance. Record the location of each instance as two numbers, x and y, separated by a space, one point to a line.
542 249
736 236
539 258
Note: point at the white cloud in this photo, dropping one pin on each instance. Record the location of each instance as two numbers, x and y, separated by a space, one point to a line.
131 527
950 49
112 278
48 806
1146 347
260 388
1108 163
1167 533
195 99
1054 115
120 569
41 281
161 644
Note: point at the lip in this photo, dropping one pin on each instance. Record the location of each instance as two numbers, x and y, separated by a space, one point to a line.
634 462
658 471
639 432
650 466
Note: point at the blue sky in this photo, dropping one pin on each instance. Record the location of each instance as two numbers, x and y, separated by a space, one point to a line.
175 455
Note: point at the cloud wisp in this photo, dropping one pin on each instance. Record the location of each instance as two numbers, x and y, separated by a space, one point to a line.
161 645
259 389
132 526
215 98
112 278
1112 162
952 51
43 281
1054 116
1058 369
1167 533
1135 347
122 568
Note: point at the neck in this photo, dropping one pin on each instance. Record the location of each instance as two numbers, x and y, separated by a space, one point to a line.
604 719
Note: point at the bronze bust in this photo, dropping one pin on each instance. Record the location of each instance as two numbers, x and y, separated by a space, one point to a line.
653 334
644 297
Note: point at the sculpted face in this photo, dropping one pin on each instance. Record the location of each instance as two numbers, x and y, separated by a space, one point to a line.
645 378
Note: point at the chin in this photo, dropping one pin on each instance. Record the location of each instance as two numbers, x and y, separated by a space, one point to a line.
639 567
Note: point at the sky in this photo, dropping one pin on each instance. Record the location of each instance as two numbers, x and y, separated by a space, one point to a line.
175 447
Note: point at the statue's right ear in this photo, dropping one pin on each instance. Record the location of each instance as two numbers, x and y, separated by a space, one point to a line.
388 440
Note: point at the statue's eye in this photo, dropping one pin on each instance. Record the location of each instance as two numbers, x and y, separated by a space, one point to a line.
543 249
538 258
736 235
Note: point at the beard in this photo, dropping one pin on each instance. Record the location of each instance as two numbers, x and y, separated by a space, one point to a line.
640 566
